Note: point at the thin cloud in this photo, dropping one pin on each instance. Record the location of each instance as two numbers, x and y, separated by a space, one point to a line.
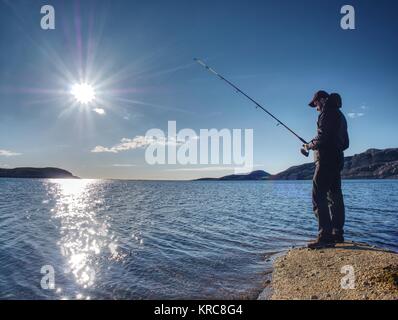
204 169
100 111
125 144
139 142
354 115
212 168
7 153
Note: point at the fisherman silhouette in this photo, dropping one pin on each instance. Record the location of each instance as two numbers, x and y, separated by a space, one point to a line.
329 145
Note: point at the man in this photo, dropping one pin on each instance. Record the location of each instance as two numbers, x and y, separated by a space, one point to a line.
328 146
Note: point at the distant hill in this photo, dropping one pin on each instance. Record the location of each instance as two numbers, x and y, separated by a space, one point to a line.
371 164
36 173
255 175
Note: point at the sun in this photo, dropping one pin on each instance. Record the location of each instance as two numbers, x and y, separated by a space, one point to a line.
83 92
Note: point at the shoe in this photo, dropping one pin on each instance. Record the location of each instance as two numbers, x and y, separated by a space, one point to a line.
338 238
321 243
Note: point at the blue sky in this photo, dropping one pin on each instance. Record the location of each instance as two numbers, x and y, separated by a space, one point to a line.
138 56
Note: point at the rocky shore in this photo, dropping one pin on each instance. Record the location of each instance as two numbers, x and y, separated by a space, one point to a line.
371 164
350 271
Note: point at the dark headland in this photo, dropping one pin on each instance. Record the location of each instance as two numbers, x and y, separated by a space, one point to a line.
255 175
37 173
371 164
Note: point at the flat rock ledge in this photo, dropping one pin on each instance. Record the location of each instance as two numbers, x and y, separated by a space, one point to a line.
350 271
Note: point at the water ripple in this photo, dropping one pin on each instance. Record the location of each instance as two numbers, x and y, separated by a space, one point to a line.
149 240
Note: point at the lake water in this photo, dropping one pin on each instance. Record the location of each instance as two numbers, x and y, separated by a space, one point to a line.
109 239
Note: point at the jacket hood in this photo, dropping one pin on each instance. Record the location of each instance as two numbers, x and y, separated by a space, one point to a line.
334 101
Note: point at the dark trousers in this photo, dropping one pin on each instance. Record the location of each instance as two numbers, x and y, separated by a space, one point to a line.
327 199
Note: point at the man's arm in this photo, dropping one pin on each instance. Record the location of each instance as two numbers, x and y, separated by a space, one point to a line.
325 129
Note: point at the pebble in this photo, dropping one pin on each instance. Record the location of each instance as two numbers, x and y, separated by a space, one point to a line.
314 297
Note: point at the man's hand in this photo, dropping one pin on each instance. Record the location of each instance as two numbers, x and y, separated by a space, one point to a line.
306 146
304 150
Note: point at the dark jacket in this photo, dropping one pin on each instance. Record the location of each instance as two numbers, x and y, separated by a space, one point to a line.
332 138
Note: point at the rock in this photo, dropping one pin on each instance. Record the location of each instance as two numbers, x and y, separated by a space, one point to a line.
308 273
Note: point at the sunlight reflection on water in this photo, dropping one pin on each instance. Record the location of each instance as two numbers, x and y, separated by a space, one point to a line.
83 237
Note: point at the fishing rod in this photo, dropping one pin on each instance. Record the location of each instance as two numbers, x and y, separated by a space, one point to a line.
303 151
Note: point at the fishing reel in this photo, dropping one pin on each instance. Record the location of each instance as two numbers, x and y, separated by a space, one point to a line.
304 152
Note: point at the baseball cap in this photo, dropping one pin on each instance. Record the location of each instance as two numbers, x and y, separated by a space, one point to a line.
318 95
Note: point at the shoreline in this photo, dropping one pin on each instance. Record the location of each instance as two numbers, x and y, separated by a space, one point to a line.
350 271
201 181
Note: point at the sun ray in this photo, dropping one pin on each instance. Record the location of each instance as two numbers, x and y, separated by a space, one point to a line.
158 106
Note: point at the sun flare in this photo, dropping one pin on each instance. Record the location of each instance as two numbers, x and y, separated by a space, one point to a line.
83 92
